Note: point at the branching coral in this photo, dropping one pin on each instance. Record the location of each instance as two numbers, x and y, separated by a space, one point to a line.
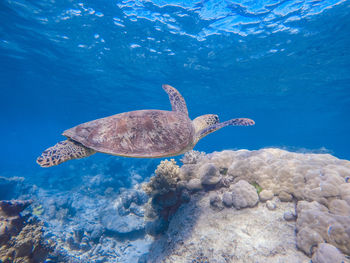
165 197
165 180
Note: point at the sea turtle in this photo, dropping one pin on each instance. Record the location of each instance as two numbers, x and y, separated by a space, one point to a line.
142 133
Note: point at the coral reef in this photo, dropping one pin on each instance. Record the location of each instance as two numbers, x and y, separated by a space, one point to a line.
11 220
21 238
269 205
311 177
106 228
317 224
93 211
307 204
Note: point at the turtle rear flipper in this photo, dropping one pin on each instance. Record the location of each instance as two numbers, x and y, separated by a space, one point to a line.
63 151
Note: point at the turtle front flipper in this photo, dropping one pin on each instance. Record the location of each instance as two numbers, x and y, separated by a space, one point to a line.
178 103
63 151
217 126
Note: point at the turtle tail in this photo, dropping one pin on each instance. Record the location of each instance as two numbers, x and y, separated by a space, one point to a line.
63 151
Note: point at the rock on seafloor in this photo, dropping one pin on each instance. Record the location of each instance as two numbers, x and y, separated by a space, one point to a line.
209 174
228 235
265 195
244 195
271 205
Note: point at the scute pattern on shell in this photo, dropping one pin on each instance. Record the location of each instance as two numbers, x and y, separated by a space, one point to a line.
144 133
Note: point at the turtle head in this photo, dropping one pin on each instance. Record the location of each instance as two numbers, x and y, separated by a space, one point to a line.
209 123
202 122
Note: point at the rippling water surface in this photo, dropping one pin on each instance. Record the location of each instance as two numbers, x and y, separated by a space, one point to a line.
283 63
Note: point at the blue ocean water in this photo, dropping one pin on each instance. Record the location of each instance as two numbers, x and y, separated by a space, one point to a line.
284 64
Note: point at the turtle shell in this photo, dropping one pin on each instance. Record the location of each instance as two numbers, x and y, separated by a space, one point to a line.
144 133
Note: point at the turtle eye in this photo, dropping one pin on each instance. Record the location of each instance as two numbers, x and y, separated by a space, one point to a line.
216 117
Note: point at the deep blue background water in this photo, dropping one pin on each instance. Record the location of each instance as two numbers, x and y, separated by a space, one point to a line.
285 64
